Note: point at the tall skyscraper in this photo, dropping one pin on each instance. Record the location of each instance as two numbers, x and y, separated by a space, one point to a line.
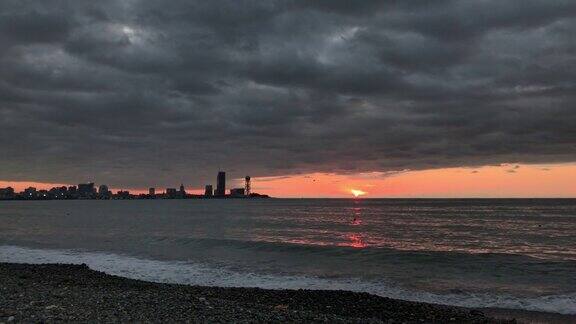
221 184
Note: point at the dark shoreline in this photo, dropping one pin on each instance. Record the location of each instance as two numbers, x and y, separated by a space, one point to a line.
66 292
63 292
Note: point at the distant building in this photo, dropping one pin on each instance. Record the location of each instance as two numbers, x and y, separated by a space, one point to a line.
59 193
237 192
30 193
152 192
103 189
7 193
208 191
123 194
104 192
220 184
42 194
182 191
86 190
72 192
171 193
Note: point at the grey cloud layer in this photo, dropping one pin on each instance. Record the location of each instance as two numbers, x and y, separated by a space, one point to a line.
128 91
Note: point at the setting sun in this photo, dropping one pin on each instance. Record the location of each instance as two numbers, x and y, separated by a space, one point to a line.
357 192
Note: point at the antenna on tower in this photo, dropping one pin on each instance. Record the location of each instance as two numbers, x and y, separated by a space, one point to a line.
247 186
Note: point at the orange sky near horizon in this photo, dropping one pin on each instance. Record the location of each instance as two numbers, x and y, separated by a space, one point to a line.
514 181
511 180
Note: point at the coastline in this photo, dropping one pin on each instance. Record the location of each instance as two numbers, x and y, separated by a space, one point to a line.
65 292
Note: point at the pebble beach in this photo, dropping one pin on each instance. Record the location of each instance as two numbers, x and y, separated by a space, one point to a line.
64 292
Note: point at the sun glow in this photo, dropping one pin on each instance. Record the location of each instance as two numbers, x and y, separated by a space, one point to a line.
357 193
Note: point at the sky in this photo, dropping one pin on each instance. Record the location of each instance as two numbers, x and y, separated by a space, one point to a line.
460 98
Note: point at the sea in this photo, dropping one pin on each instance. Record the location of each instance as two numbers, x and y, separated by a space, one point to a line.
504 253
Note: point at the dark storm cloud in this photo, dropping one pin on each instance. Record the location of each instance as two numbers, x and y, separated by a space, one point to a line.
155 92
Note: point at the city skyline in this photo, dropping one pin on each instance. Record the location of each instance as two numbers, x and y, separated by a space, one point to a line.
92 190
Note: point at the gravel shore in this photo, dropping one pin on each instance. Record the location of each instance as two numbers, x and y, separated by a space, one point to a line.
63 292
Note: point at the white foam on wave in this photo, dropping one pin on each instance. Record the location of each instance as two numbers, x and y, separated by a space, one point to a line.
198 274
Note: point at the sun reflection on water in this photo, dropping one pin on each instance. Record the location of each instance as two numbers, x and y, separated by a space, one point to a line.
355 239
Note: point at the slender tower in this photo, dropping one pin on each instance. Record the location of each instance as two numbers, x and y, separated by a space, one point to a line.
220 184
182 191
247 186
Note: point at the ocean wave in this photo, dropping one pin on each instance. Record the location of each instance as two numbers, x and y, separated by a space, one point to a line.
200 274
